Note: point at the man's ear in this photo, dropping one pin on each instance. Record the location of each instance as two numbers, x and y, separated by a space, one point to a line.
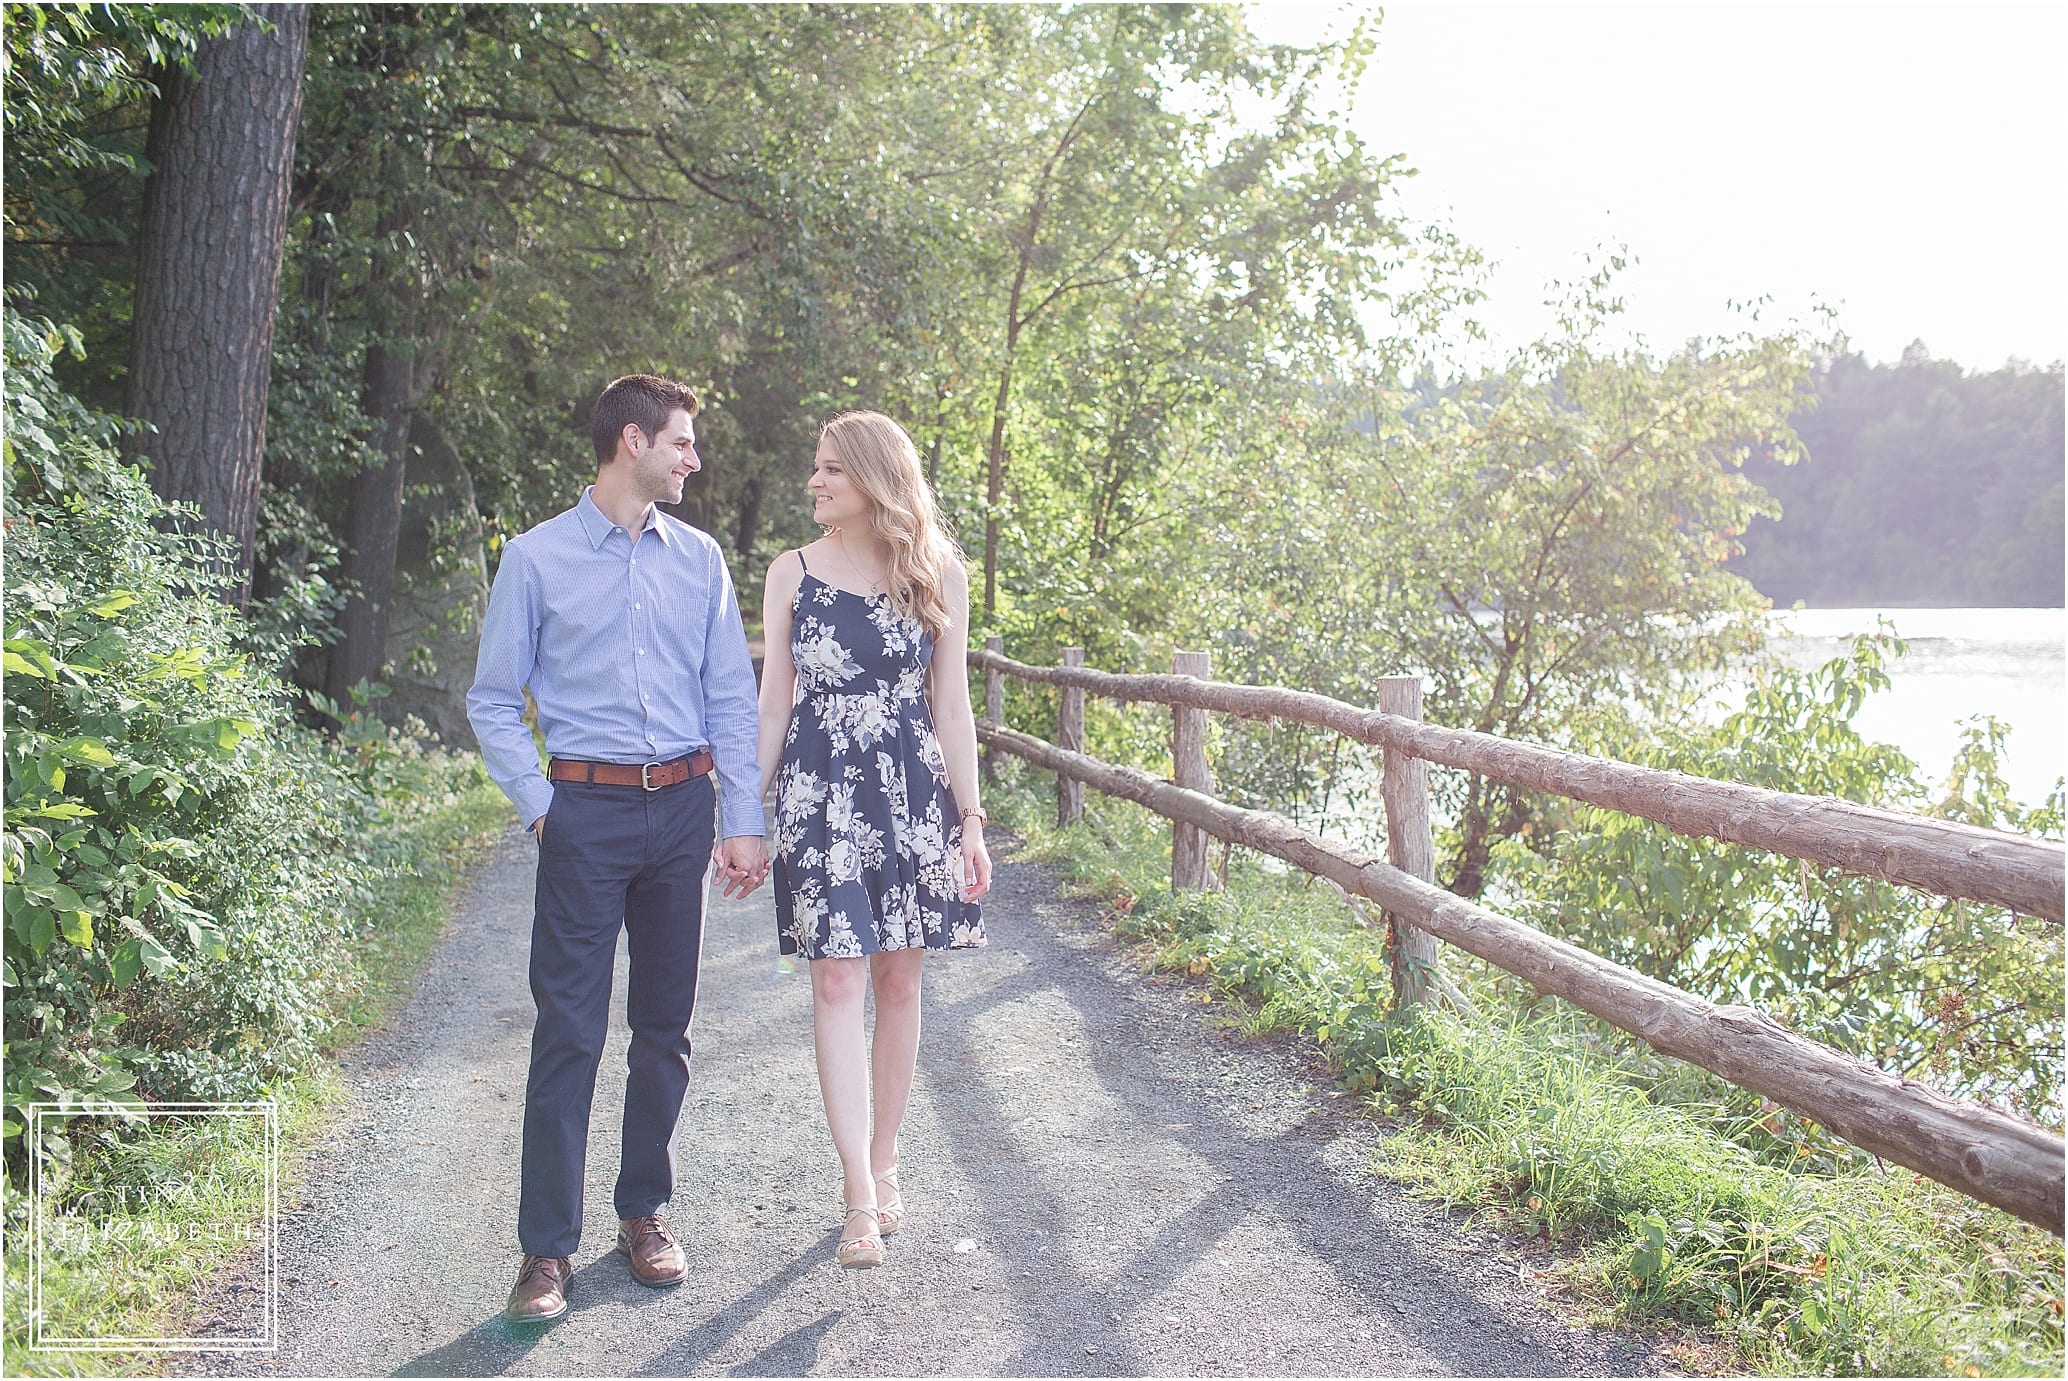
632 437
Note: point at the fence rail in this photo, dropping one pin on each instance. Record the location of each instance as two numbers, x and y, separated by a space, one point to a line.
1938 856
1981 1152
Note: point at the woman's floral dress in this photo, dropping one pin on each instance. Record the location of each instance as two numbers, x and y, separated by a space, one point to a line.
868 842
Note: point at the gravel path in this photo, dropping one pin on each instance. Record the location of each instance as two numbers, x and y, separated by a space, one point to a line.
1100 1183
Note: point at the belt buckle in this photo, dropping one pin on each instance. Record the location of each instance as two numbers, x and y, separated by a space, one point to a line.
646 775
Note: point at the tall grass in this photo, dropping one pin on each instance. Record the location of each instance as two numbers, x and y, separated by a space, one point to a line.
1668 1200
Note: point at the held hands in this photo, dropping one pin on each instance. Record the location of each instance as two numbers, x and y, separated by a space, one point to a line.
743 863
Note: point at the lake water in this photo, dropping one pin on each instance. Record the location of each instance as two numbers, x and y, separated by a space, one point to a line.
2012 663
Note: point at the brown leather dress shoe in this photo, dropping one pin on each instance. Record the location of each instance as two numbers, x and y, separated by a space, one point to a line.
541 1292
656 1260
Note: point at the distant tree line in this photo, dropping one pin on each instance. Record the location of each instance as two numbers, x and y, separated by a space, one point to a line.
1923 485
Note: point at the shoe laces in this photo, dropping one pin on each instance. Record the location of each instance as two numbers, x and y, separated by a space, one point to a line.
641 1230
535 1266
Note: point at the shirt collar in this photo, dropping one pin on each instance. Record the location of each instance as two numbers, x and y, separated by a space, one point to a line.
596 524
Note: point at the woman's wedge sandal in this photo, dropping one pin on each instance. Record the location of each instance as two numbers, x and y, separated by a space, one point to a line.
889 1211
854 1253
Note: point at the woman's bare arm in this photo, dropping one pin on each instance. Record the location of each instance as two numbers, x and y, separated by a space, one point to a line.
956 728
778 671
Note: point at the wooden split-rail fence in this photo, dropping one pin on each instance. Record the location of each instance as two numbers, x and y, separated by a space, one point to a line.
1985 1153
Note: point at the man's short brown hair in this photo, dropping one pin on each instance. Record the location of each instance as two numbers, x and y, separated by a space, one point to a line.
637 400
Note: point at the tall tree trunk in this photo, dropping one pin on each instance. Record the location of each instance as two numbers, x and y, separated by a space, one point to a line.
321 277
994 477
750 522
388 393
1028 247
221 147
1492 812
373 520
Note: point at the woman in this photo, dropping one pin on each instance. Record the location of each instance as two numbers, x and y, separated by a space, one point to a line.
867 731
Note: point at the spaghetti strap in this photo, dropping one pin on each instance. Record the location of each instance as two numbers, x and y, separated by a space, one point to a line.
800 561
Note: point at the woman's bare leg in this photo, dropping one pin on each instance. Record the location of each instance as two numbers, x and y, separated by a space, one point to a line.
837 990
894 1054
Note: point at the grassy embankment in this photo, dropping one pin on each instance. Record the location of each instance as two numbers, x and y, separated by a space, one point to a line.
1670 1211
142 1289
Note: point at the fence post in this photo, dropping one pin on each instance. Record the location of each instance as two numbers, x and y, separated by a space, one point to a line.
1410 847
1189 770
1070 736
994 700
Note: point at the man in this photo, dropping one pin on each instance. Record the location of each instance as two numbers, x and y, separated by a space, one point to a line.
623 623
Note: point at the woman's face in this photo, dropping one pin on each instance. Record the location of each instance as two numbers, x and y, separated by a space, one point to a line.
835 502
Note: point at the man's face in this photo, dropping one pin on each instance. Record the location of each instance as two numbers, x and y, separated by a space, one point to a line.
666 460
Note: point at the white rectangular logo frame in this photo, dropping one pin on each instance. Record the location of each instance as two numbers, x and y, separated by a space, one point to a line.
39 1341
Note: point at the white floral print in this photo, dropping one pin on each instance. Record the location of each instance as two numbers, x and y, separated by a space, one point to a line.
821 660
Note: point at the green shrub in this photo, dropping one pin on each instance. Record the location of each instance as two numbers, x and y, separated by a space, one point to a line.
178 850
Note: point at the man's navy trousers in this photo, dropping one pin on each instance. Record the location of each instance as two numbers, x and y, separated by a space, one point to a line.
611 856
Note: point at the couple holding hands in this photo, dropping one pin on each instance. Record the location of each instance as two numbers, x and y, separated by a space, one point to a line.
623 625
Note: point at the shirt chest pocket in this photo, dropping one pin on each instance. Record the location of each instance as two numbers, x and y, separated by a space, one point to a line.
676 619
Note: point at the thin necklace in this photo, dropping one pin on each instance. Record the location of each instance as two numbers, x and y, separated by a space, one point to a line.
876 585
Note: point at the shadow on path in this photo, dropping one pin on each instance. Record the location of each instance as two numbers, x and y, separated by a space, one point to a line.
1210 1191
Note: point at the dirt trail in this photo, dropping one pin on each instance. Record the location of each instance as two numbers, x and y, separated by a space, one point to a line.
1131 1190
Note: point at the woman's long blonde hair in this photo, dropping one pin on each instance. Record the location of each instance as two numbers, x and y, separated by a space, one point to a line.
881 460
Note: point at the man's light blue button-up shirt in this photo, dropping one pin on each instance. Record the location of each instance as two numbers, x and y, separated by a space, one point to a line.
634 653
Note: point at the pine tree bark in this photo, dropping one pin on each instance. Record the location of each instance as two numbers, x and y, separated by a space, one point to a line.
373 522
221 148
400 360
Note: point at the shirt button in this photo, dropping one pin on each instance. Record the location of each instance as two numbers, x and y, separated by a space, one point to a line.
638 606
642 652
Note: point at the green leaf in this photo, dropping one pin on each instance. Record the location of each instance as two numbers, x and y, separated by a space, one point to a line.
90 751
158 960
77 927
126 962
30 658
207 941
113 603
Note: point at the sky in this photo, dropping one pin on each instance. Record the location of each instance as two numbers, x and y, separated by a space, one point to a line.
1905 165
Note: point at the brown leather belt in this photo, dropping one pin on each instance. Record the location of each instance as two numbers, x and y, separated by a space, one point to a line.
651 775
